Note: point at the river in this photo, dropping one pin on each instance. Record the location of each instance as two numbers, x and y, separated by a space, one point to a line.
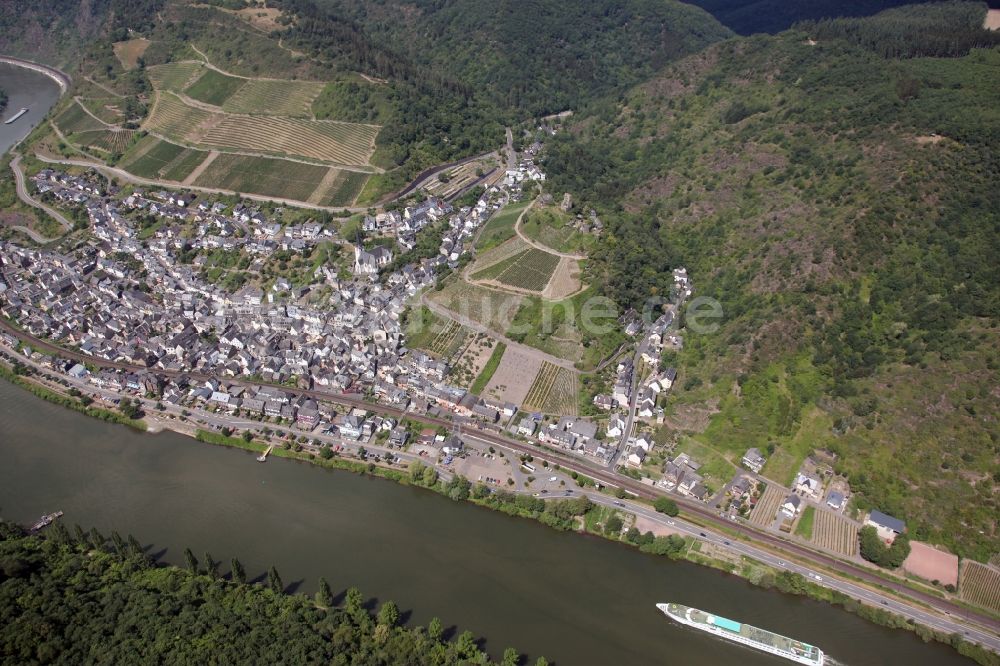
29 89
575 599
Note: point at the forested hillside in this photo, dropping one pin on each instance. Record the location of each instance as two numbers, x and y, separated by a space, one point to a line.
842 206
747 17
534 58
53 32
75 599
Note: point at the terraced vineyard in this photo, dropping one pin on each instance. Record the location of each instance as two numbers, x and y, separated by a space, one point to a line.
110 140
448 341
328 141
107 109
553 391
262 175
767 506
835 532
530 270
345 188
494 309
174 76
274 98
214 87
980 584
497 254
74 119
154 158
174 119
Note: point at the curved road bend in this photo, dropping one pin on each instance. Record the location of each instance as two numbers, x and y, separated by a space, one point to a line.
990 640
22 193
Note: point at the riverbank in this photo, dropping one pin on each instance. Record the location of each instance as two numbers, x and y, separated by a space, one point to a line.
562 517
61 78
562 594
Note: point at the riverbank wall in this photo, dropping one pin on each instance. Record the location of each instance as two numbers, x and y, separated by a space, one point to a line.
61 78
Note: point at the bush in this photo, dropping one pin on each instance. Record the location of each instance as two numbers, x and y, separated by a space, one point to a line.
667 506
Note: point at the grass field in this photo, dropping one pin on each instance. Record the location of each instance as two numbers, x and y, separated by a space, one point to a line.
805 526
129 51
274 98
550 227
153 158
174 76
107 109
553 391
500 227
345 189
980 585
835 532
74 119
262 175
214 87
530 270
489 369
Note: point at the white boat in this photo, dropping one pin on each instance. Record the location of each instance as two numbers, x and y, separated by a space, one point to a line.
759 639
15 116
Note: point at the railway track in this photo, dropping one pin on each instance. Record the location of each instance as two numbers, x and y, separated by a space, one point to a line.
603 475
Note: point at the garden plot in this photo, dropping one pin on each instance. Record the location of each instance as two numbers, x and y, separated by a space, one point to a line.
767 506
512 379
980 584
554 391
835 532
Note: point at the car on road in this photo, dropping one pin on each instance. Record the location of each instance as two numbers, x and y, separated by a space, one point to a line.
619 503
670 522
727 543
703 534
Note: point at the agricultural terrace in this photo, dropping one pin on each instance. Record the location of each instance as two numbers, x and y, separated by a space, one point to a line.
493 309
321 140
174 76
110 140
435 335
530 270
274 98
155 159
214 87
454 180
767 506
74 119
835 532
340 188
553 228
554 391
500 227
980 584
262 175
108 109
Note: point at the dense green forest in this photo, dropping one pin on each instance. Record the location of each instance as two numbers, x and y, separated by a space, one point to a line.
74 598
842 207
53 32
747 17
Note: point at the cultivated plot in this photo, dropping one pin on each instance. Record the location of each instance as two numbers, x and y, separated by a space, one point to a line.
174 76
110 140
153 158
262 175
835 532
321 140
214 87
530 270
554 391
767 506
74 119
274 98
513 377
980 584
